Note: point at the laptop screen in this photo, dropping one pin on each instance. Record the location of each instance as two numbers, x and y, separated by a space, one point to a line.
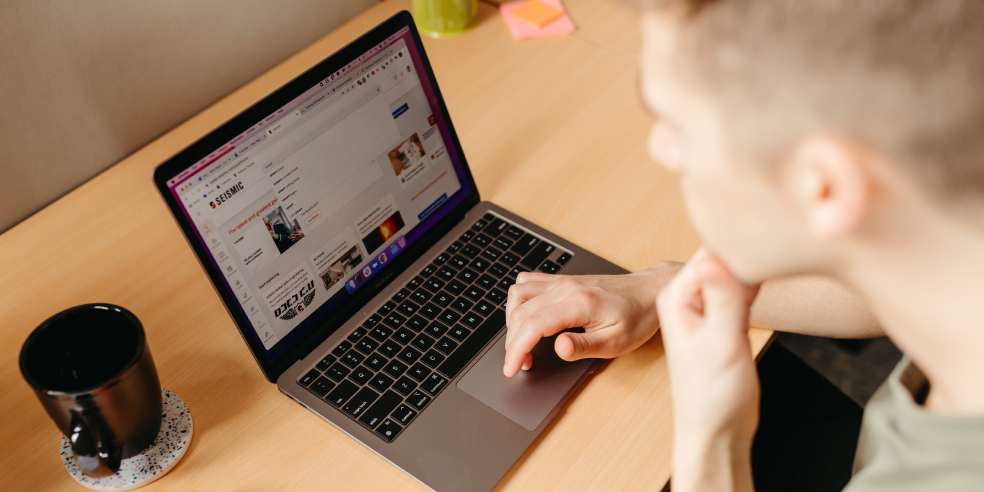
305 207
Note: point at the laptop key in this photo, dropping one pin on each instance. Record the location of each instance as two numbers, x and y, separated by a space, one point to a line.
430 310
506 283
446 273
372 321
468 275
488 217
322 386
496 227
462 305
408 308
436 330
342 393
357 334
496 296
492 254
421 296
516 270
446 345
443 299
418 400
325 362
471 320
509 258
360 375
539 253
360 402
525 244
403 336
403 414
474 293
341 349
419 372
379 410
415 324
449 317
404 386
481 240
428 271
422 342
376 362
408 355
401 295
393 320
386 308
458 261
549 267
479 225
366 345
459 333
381 382
389 348
434 384
432 358
514 233
309 377
484 307
564 258
503 243
414 283
455 246
337 372
498 270
470 250
441 259
395 368
380 333
456 287
466 236
388 430
352 359
473 344
479 264
486 281
433 284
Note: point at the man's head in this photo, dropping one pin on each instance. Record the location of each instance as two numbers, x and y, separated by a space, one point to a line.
797 126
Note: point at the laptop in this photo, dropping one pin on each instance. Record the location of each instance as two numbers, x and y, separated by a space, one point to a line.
340 224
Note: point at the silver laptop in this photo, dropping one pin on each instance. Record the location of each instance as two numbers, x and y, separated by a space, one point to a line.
339 222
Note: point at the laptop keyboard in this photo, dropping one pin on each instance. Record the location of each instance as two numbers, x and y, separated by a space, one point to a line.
389 369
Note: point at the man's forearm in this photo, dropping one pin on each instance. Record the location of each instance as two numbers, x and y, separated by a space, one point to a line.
712 465
813 305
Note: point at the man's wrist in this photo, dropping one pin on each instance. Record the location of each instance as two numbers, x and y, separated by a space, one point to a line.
717 463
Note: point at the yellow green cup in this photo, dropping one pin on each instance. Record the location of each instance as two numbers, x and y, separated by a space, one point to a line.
445 18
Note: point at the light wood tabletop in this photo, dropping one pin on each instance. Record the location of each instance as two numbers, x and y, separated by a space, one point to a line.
553 130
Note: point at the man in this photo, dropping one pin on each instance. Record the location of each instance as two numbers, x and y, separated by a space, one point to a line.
283 237
833 150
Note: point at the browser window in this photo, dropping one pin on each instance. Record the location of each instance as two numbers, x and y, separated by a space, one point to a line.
303 209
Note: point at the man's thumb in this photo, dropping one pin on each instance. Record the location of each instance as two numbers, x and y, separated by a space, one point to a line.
572 346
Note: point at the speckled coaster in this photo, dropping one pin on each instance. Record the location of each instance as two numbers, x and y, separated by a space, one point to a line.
166 451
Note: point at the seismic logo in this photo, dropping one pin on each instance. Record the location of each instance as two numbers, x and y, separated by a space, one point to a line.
226 195
297 302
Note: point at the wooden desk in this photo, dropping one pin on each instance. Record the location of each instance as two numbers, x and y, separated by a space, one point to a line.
553 130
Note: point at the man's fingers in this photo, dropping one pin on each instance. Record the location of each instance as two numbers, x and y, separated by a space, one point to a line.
517 295
553 317
572 346
725 298
524 277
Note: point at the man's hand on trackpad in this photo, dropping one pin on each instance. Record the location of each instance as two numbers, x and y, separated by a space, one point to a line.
617 312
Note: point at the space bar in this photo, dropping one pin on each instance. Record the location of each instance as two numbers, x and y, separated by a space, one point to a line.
459 358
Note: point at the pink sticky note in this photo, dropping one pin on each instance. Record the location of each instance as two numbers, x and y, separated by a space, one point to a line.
521 30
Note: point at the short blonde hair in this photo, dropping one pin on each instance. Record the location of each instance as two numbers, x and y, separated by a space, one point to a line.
905 77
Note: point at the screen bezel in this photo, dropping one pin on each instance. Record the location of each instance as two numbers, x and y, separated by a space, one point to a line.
260 110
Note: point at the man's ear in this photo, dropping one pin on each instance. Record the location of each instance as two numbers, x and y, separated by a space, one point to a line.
831 184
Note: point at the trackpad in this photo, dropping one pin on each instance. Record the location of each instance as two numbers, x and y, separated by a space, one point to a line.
528 397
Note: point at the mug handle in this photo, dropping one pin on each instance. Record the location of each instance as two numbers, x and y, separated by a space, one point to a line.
92 442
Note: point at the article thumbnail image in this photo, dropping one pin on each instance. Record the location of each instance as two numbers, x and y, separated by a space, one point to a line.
405 154
338 270
284 233
383 232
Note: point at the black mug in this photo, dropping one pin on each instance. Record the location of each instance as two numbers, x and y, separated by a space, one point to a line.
91 368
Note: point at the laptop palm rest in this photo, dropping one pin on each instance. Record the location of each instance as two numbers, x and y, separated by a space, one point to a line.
530 396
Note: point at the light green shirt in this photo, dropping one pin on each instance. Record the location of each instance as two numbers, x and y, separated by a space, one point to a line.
903 447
